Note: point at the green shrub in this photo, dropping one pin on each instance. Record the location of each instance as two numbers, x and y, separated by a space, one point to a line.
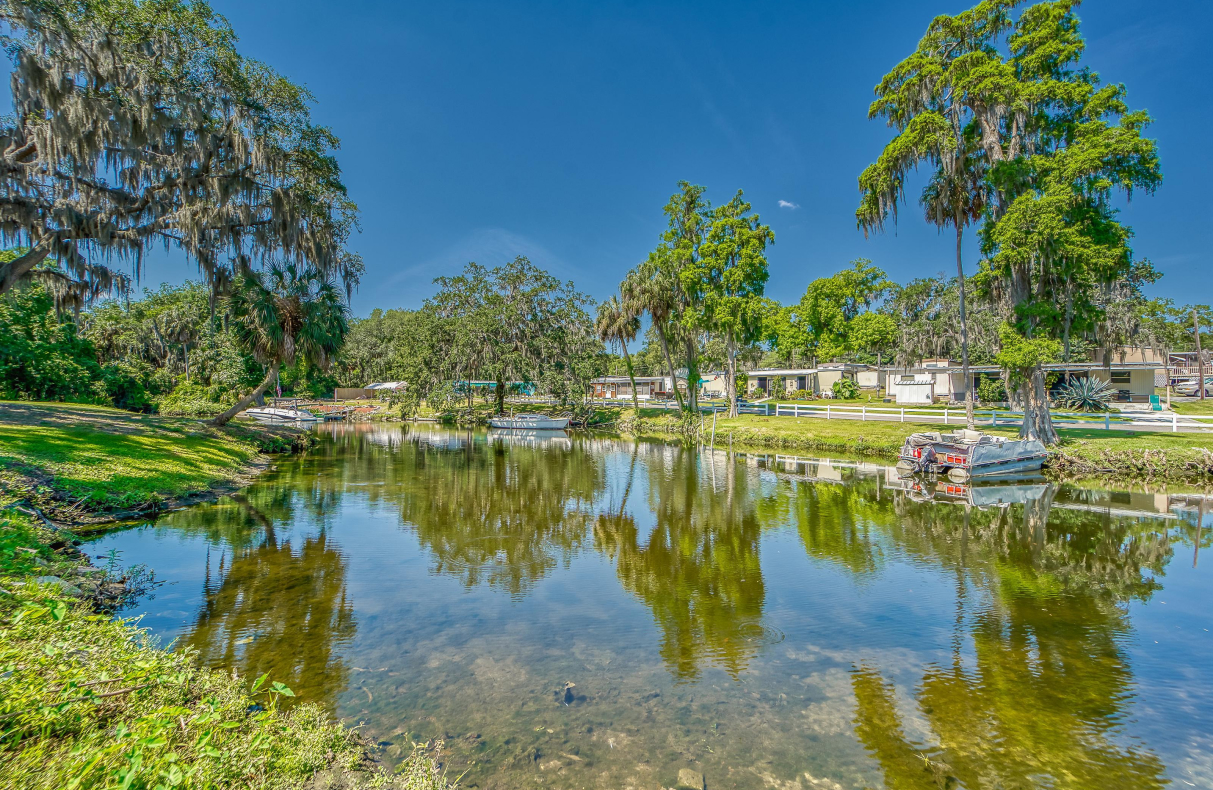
194 400
991 390
846 389
124 386
42 357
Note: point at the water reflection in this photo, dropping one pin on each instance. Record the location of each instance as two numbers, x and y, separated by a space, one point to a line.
1014 672
269 603
697 566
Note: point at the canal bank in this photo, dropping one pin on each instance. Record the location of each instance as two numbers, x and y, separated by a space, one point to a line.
88 699
84 465
1185 458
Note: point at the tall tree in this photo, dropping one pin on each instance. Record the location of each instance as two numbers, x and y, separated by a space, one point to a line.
651 288
727 280
283 313
956 196
516 322
920 101
1055 146
689 215
617 323
138 123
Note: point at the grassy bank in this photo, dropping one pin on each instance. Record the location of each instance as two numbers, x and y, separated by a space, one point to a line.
1181 457
86 463
88 701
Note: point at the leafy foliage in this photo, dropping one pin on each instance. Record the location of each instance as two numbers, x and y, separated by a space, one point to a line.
515 323
138 123
845 388
991 390
285 314
824 324
42 356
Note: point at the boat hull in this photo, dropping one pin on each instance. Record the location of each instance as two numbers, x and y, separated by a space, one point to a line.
281 415
529 423
965 460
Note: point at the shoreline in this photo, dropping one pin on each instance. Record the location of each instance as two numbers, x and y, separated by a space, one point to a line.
138 708
1079 457
82 468
94 521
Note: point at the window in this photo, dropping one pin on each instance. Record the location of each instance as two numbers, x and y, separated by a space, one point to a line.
1121 376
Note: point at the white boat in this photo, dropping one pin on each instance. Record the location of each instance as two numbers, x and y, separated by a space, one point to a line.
271 414
530 422
966 454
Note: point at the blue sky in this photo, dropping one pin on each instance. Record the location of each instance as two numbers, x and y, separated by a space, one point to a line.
480 131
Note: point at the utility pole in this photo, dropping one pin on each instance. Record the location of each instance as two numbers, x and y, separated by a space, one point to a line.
1200 361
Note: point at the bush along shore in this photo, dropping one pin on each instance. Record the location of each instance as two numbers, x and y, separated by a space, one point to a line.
89 701
79 465
1121 455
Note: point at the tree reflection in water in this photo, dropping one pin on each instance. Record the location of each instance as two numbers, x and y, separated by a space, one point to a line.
1038 685
275 607
1040 699
697 569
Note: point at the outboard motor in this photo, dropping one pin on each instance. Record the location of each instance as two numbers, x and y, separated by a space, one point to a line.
927 460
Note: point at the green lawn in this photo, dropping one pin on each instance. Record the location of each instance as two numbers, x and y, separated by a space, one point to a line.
1192 407
108 459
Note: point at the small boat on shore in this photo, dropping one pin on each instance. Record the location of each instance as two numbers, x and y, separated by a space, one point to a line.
530 422
273 415
966 454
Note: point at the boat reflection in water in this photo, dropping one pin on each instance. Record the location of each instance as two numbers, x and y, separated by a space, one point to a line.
531 438
769 620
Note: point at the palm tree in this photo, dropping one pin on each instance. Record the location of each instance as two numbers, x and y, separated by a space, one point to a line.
281 314
650 288
618 323
956 196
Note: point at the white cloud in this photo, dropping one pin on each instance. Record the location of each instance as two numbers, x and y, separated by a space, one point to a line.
788 204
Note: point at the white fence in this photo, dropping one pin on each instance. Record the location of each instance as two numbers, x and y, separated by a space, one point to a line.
1130 421
1133 421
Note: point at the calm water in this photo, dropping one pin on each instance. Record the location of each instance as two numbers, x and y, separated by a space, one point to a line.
592 612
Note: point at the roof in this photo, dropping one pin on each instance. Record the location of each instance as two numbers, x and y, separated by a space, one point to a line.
781 372
386 385
625 379
1071 366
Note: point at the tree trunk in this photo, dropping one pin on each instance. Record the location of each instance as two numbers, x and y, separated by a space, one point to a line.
665 349
244 402
15 270
500 396
731 376
1037 422
692 375
964 332
631 377
1200 360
